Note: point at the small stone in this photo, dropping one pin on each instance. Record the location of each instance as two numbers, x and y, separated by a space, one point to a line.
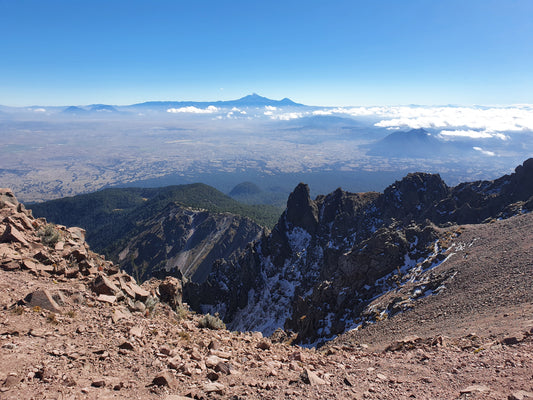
98 383
509 341
212 361
11 380
77 233
219 353
126 346
139 306
475 388
263 345
213 345
382 377
296 356
213 376
11 266
164 379
350 381
214 387
136 331
120 313
520 395
293 366
223 368
69 381
140 293
175 363
312 378
104 298
195 355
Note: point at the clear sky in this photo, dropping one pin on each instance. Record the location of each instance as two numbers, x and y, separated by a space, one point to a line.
338 52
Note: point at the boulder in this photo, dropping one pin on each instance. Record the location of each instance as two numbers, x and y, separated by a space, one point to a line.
171 292
312 378
8 199
12 234
43 299
164 378
103 285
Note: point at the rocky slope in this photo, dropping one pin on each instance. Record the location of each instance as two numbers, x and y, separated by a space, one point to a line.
73 326
175 230
327 259
489 292
184 242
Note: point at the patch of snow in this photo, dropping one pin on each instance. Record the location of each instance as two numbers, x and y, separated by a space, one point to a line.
299 239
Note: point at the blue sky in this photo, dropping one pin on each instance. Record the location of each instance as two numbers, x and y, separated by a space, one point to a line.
345 52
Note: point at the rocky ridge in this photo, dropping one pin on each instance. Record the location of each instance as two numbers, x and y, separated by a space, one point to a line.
324 262
92 333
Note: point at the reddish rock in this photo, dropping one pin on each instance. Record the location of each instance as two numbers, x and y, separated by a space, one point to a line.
171 292
43 299
164 379
103 285
12 234
312 378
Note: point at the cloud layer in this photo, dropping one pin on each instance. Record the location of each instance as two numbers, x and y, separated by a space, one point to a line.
473 122
193 110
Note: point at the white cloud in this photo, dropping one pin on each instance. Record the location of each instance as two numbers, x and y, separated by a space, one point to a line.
323 112
474 118
270 108
486 152
472 134
284 116
487 119
194 110
287 116
39 110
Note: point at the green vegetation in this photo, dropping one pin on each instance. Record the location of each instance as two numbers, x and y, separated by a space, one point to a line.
112 215
211 322
250 193
49 235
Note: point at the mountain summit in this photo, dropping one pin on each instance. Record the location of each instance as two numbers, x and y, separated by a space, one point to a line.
251 100
256 100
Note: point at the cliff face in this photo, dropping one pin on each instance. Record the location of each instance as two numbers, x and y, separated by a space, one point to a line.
327 258
184 242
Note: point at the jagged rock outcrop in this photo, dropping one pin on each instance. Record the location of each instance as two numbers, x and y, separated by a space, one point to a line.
184 242
46 249
301 210
324 261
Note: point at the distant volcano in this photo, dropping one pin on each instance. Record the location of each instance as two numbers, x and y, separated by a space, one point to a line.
416 143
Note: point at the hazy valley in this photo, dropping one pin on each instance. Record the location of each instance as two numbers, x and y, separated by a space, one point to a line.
52 152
